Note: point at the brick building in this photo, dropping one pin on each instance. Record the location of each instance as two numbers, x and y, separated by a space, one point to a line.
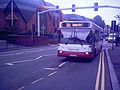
20 16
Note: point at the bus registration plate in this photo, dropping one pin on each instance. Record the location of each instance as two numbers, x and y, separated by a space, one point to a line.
73 55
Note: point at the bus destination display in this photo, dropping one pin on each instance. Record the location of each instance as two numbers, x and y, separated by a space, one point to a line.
75 24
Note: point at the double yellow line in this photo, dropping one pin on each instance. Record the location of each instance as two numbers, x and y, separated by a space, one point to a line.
100 80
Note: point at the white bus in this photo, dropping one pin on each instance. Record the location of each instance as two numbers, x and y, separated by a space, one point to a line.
79 39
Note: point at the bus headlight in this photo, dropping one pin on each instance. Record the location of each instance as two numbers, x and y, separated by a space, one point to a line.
86 53
114 38
60 51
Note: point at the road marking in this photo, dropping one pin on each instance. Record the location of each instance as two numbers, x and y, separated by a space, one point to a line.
101 71
19 53
20 88
34 50
37 80
12 63
9 64
61 64
50 69
98 74
52 73
38 57
22 61
49 55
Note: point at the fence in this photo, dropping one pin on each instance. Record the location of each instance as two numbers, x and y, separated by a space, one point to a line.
21 41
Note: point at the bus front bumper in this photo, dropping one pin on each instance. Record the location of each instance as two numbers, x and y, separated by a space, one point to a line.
75 54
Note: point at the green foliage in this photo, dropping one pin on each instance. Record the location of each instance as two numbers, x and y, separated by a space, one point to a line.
98 20
118 17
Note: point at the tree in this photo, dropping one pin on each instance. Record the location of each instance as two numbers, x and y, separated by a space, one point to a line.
118 17
98 20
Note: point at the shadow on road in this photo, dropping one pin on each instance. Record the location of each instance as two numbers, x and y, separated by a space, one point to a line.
77 60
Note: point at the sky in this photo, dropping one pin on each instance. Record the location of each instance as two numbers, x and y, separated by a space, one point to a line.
107 14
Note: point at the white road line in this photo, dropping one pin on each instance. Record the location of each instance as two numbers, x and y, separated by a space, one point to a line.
52 73
41 50
50 69
113 76
22 61
19 53
20 88
61 64
49 55
9 64
37 80
34 51
38 57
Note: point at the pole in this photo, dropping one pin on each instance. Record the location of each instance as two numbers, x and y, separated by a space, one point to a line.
38 17
12 13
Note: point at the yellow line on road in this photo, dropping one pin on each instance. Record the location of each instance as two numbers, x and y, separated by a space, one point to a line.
101 71
98 74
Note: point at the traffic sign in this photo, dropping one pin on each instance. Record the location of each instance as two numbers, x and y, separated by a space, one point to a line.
96 6
73 7
57 7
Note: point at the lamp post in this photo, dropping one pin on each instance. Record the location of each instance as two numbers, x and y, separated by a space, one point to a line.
38 19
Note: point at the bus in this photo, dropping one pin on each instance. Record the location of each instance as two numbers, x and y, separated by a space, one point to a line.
79 39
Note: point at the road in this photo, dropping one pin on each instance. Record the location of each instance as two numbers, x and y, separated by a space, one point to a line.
41 69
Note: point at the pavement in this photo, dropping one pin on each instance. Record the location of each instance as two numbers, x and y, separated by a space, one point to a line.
114 54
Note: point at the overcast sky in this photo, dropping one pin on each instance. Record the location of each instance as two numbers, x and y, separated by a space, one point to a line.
107 14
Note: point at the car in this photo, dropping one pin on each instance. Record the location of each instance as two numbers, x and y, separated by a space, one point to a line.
112 38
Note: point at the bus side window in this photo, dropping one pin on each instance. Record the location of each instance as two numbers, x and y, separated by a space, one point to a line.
89 37
97 35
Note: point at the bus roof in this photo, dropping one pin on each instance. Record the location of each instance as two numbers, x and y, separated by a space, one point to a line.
91 24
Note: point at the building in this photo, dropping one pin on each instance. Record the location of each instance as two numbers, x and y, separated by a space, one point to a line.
75 17
20 17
